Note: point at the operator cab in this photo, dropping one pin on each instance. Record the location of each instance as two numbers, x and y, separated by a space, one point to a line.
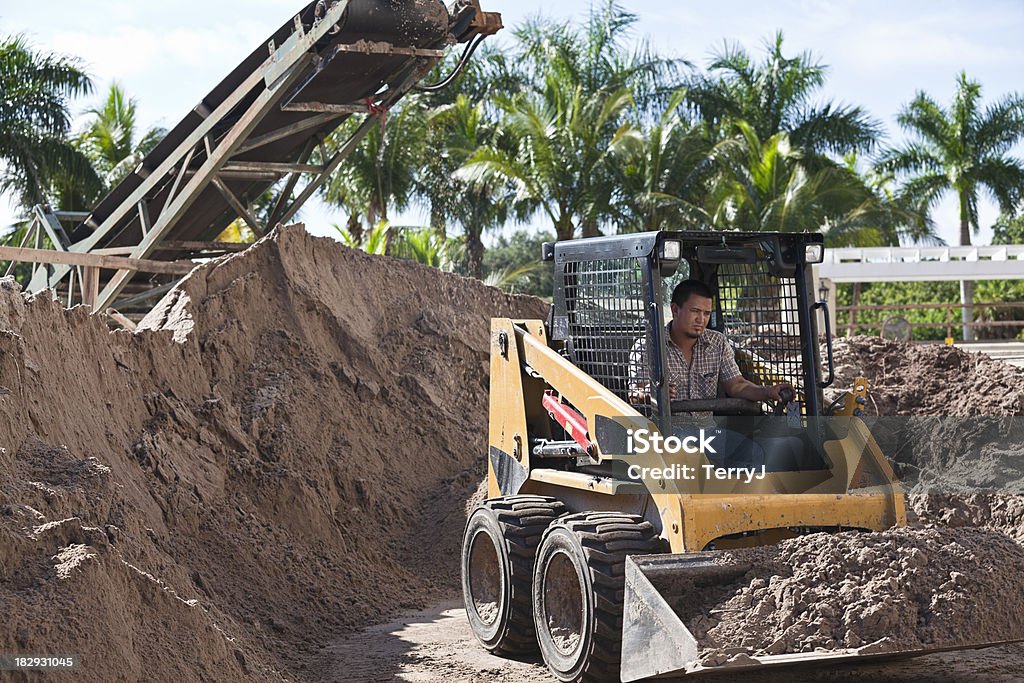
612 291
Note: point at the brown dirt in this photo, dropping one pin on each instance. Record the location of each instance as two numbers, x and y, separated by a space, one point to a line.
904 589
928 379
280 456
948 418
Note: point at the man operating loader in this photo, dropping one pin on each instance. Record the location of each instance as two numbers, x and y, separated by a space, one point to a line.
698 358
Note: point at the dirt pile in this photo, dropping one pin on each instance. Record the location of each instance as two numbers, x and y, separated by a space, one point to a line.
949 424
280 455
997 512
902 589
949 420
918 379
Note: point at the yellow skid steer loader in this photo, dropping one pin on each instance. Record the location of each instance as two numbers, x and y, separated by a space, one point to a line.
599 553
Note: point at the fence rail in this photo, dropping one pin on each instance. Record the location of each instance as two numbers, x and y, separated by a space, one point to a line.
853 324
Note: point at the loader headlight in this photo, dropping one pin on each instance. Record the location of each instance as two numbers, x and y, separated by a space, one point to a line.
670 253
814 253
671 250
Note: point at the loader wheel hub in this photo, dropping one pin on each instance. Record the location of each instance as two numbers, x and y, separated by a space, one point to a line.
485 577
563 602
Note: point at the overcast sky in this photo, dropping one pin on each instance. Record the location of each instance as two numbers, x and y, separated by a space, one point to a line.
168 55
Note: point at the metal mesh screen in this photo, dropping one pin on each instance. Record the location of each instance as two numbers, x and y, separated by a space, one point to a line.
760 315
606 304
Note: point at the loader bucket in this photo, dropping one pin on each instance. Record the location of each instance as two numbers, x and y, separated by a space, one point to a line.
663 592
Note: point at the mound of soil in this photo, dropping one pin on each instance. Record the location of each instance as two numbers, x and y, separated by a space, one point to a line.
904 589
280 455
947 419
926 379
283 453
950 425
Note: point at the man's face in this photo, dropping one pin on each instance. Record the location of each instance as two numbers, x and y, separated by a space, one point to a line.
693 316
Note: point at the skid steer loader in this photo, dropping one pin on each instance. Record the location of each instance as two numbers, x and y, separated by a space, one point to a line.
599 554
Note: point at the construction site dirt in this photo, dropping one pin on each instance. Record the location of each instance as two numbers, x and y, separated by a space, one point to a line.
269 481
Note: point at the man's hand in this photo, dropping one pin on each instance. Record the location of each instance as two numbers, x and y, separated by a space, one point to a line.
739 387
774 393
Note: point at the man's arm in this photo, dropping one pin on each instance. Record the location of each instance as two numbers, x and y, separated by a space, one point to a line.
737 386
740 387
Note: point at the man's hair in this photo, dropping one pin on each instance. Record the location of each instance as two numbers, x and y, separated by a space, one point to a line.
685 288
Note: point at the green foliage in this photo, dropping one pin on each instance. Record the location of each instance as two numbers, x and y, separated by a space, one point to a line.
897 293
422 245
962 149
581 82
380 174
430 248
514 264
111 137
35 122
111 142
1008 230
375 241
460 129
994 291
661 172
776 96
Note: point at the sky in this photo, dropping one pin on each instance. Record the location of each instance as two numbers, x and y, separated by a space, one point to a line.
169 55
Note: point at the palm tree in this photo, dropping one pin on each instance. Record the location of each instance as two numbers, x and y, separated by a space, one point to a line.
373 241
380 175
110 141
661 171
460 129
562 125
773 185
964 150
776 96
422 245
596 57
559 158
35 120
110 138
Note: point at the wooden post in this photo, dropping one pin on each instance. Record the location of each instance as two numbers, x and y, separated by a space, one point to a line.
855 302
90 285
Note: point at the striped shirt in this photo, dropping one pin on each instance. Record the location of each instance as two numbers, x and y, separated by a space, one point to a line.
714 361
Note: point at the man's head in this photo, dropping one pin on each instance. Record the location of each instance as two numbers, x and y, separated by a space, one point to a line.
691 308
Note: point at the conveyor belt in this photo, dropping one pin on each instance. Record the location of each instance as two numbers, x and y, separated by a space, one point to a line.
257 129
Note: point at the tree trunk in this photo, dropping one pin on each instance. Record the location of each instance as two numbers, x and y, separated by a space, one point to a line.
355 228
371 218
564 229
475 254
966 287
438 220
590 229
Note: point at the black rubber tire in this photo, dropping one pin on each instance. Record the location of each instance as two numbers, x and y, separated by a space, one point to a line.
578 589
497 578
